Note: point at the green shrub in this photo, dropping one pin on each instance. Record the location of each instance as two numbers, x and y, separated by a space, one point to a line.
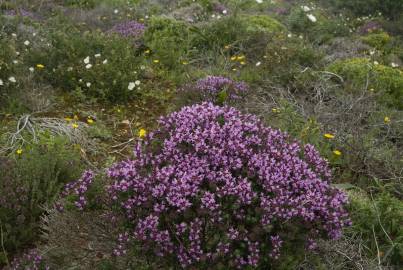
390 8
113 64
377 40
378 221
168 39
29 182
262 23
360 72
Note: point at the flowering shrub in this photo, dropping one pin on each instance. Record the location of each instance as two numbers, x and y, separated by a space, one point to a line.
30 260
79 188
129 29
213 186
215 87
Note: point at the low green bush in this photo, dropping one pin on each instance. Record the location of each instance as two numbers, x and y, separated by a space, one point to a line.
93 64
390 8
361 72
29 182
377 40
378 220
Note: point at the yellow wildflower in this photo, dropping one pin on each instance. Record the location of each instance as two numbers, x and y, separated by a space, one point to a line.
156 61
386 120
275 110
227 47
241 57
19 151
142 133
74 125
233 58
68 119
147 51
90 121
337 152
75 117
242 63
328 136
185 63
40 66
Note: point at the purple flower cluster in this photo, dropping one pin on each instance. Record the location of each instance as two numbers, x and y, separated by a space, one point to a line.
79 188
22 12
31 260
129 29
213 185
369 27
211 86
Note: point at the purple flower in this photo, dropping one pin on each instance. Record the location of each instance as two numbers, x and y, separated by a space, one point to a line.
30 260
78 188
211 86
213 184
129 29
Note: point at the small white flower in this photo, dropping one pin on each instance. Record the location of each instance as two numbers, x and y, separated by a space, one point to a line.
97 55
34 34
15 61
26 42
289 35
142 67
31 69
218 16
87 60
213 16
301 36
88 66
14 34
259 1
258 64
116 11
88 84
80 80
137 82
105 61
376 63
146 17
224 11
131 86
12 79
311 17
371 52
394 65
1 82
70 69
306 8
17 53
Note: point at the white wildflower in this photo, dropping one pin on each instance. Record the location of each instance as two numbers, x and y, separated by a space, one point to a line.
306 8
88 66
87 60
131 86
26 42
137 82
12 79
88 84
31 69
258 64
105 61
1 82
97 55
311 17
394 65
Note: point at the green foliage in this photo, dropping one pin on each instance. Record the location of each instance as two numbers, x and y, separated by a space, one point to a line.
81 3
109 74
168 39
29 182
378 220
360 72
377 40
262 23
390 8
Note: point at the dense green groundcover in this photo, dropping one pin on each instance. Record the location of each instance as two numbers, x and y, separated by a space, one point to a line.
83 81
